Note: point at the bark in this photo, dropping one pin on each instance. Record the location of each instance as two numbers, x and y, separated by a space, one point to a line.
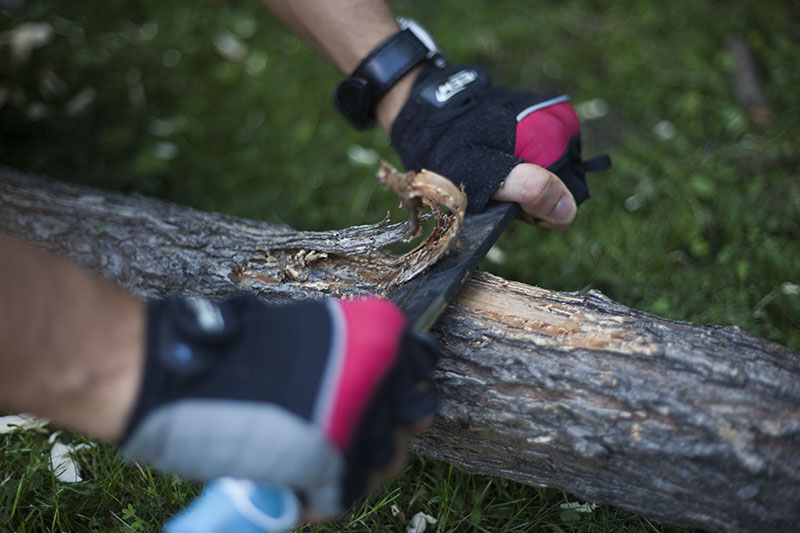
688 424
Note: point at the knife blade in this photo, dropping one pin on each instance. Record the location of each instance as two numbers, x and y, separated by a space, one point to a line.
424 297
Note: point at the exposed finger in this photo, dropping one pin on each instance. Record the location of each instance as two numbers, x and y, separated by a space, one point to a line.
541 195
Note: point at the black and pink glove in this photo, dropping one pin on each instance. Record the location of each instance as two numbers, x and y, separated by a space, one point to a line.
305 395
457 125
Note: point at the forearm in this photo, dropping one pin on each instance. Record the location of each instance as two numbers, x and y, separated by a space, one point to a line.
71 344
344 32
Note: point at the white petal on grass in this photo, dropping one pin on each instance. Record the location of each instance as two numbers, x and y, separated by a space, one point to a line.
579 507
419 522
633 203
397 512
592 109
255 64
362 156
12 423
62 463
81 101
159 127
166 151
51 84
27 37
665 130
246 27
496 255
790 288
230 47
148 31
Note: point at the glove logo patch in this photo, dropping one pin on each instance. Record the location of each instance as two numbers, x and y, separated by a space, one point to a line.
455 84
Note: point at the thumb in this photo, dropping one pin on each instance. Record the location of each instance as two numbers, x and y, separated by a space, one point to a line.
541 195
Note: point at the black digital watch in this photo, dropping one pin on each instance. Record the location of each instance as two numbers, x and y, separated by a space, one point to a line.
357 96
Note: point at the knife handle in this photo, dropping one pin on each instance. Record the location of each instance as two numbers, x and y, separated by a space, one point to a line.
229 505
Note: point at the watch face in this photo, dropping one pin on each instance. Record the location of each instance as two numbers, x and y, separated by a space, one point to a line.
352 98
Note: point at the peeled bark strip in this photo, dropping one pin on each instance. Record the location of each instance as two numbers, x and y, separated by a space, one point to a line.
416 190
687 424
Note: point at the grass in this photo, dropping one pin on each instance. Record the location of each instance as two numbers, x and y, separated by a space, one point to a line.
116 496
215 105
125 497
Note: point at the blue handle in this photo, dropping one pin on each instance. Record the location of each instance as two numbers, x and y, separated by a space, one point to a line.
229 505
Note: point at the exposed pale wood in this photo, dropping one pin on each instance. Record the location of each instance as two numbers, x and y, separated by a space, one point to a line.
687 424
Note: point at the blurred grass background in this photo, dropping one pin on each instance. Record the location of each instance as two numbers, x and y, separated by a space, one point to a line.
215 105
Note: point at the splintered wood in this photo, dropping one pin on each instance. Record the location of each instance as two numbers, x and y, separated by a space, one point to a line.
426 188
416 191
352 258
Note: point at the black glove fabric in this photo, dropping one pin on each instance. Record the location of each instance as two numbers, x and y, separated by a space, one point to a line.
457 125
305 395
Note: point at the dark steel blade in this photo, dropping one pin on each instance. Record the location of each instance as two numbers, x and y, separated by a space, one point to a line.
424 298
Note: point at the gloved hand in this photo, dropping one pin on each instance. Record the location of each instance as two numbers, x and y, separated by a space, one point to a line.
454 123
306 395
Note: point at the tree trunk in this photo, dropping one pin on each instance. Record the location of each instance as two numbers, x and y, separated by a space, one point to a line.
690 425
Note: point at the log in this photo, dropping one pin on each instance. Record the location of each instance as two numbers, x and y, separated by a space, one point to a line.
691 425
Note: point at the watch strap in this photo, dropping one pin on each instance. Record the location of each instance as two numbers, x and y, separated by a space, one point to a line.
358 96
